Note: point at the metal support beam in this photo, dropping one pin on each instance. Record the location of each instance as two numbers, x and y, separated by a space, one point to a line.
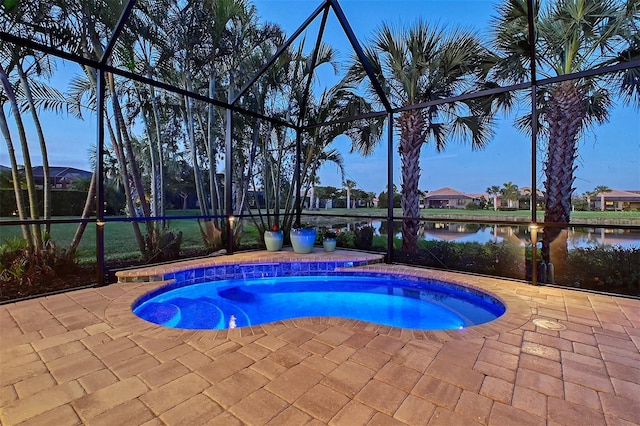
281 49
390 233
314 60
355 44
135 77
296 175
228 179
122 21
99 172
534 138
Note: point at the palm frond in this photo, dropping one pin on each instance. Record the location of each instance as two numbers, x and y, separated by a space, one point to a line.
44 97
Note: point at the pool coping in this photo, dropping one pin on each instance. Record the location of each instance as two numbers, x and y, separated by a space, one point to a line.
138 282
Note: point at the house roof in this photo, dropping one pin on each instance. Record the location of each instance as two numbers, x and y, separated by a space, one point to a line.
617 195
446 194
478 196
526 191
62 172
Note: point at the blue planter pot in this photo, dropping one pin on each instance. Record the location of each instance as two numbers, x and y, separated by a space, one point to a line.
273 240
329 244
302 239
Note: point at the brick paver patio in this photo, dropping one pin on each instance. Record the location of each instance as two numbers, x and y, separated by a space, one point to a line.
556 357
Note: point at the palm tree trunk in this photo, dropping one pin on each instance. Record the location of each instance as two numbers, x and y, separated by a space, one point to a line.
86 211
565 117
204 211
211 146
160 205
411 128
28 169
136 176
119 153
46 185
15 176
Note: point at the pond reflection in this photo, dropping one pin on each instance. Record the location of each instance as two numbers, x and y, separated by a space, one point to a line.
516 235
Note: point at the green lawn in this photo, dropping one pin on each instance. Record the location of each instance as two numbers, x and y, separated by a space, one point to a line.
119 238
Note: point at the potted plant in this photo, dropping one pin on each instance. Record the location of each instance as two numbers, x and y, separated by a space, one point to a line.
329 240
273 238
303 236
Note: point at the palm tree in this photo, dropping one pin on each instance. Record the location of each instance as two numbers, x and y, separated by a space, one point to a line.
313 200
494 190
571 36
350 185
589 195
34 238
601 190
418 64
510 192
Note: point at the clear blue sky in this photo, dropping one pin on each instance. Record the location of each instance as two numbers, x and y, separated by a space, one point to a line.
609 155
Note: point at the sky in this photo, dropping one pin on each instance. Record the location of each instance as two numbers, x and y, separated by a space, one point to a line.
609 155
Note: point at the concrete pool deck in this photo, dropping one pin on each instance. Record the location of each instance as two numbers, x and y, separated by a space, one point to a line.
556 357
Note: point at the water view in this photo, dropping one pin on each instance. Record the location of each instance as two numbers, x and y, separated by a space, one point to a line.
517 235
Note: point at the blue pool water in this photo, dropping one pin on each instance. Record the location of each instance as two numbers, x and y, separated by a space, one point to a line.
387 300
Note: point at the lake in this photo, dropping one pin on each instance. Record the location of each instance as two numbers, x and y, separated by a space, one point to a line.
517 235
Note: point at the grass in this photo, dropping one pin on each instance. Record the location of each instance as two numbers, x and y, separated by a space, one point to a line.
120 242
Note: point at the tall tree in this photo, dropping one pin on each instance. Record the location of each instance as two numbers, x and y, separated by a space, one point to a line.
8 95
601 190
510 192
494 190
422 63
350 186
571 36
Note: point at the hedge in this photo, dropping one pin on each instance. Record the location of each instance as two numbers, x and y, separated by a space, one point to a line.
63 202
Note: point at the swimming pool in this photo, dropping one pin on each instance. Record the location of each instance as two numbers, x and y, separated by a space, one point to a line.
392 300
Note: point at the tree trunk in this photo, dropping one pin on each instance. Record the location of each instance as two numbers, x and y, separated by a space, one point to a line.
565 117
136 176
193 148
124 175
212 149
46 184
15 176
411 128
28 169
160 191
89 203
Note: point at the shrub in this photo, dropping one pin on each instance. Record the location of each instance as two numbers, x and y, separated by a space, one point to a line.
364 237
163 245
472 206
345 239
495 259
21 265
612 269
330 234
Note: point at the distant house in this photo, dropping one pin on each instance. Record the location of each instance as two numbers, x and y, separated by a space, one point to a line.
617 200
59 177
524 198
446 198
524 201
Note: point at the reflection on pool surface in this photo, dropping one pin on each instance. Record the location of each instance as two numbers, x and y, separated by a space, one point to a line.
388 300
